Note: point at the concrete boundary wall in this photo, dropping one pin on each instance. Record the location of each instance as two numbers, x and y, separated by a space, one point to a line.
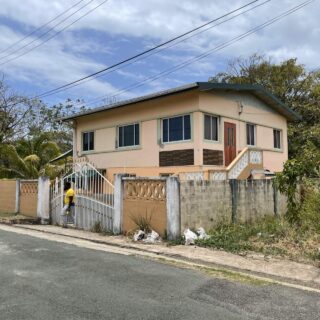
208 203
144 199
27 197
8 196
192 204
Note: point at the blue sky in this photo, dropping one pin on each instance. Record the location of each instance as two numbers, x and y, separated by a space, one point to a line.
121 28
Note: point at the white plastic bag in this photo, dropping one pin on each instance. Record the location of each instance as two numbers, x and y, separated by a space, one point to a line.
152 237
190 237
202 234
138 235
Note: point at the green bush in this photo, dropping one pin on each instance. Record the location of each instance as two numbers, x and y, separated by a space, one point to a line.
310 211
237 237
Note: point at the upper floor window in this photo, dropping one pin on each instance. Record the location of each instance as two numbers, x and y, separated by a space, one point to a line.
129 135
176 128
88 141
251 134
211 128
276 139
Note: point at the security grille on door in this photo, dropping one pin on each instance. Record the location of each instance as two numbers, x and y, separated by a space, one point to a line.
94 202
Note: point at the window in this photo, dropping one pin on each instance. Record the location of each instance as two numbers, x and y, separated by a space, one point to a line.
176 129
211 128
251 133
88 141
276 139
129 136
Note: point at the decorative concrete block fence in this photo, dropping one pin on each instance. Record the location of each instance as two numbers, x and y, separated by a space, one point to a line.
172 205
154 200
168 204
30 198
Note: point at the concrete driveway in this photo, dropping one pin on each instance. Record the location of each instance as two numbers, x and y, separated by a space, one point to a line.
43 279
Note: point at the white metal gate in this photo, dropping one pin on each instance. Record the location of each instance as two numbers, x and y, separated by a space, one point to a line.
94 204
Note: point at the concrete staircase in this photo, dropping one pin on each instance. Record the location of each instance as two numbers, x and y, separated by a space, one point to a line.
247 161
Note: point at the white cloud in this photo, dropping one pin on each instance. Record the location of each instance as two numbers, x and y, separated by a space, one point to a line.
73 54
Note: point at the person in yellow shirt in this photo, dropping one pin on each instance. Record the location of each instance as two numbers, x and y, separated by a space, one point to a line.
69 204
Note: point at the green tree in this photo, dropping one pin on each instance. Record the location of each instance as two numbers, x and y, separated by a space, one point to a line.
48 119
290 82
297 175
15 114
29 159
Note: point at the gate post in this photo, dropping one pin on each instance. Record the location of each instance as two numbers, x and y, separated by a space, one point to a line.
275 198
43 205
118 204
173 209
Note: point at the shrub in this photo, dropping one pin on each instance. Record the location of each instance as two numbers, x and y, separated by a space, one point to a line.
238 237
310 211
143 222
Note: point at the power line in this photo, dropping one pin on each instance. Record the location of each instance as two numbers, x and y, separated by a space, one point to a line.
134 60
207 53
57 33
145 52
43 34
39 28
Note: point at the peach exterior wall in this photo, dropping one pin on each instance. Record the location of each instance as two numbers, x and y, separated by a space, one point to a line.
149 113
254 111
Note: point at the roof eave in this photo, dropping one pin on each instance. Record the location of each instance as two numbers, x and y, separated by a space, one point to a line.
259 91
125 103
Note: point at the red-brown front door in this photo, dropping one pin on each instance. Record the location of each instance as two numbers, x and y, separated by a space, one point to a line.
230 149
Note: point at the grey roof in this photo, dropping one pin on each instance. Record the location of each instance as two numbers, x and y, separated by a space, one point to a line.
256 90
62 156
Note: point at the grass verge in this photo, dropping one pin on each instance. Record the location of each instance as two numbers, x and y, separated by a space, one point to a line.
270 236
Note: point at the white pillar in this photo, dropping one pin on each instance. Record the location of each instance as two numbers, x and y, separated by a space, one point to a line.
173 209
17 204
43 206
118 204
74 138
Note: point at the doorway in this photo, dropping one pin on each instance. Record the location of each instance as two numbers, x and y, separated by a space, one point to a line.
230 150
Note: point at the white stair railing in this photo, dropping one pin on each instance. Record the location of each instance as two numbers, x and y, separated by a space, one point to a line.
246 157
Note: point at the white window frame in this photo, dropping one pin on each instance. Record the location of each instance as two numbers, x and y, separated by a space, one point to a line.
82 140
178 116
134 135
254 134
280 139
204 127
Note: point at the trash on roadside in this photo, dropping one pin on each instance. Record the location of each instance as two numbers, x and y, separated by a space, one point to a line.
138 235
259 234
152 237
190 237
202 234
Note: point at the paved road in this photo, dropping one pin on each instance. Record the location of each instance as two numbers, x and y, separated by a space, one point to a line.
41 279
